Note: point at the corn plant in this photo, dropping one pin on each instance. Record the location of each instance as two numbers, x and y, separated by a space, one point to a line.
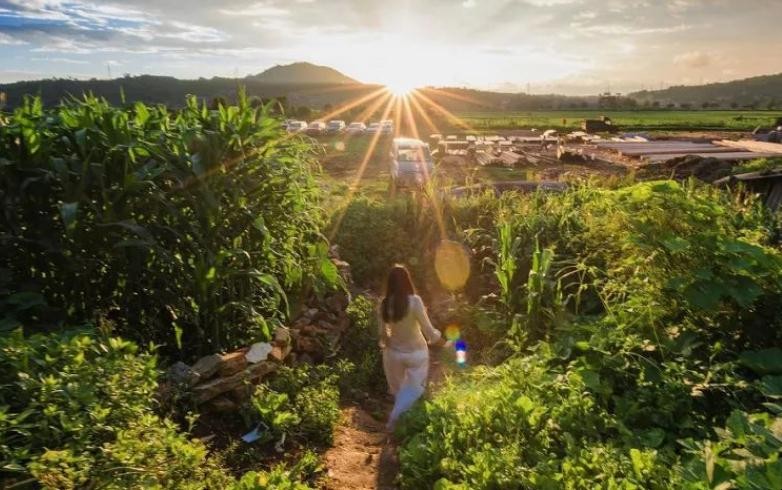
188 228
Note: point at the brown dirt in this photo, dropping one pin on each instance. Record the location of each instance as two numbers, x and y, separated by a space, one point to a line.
363 456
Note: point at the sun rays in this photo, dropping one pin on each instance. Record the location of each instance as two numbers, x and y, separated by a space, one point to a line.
409 106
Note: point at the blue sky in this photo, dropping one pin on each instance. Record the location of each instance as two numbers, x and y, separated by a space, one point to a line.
567 46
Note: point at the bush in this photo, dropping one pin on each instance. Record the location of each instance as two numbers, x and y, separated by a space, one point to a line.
630 307
360 348
186 228
301 403
76 411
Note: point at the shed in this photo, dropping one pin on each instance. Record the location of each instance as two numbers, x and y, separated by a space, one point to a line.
766 183
601 125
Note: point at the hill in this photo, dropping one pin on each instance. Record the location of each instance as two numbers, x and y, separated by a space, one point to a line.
301 73
763 92
172 91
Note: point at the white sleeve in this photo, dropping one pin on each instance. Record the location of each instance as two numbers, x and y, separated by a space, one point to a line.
432 334
382 332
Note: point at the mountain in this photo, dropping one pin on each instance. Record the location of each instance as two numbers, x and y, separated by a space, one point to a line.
301 73
757 92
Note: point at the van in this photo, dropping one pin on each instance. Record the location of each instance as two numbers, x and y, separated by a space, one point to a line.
411 163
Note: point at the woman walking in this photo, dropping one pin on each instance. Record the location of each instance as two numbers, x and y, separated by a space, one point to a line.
405 334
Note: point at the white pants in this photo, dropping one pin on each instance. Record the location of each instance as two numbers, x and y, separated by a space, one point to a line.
406 373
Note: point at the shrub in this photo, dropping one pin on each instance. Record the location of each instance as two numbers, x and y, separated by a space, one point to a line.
186 228
76 411
678 279
360 348
301 403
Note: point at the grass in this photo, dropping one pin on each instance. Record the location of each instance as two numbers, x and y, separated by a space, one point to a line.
660 120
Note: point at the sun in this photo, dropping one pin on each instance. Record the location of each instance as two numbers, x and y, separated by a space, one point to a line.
400 88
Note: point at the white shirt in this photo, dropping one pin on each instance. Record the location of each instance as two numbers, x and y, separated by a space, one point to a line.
412 332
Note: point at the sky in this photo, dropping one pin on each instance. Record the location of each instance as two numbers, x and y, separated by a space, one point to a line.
575 47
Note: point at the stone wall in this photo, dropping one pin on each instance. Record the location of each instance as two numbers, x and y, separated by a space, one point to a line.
223 382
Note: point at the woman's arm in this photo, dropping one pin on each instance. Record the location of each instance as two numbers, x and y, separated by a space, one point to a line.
433 336
382 333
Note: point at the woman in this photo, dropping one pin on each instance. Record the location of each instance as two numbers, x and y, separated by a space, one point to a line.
405 330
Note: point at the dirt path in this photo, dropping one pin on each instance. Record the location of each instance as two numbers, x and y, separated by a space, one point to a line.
363 457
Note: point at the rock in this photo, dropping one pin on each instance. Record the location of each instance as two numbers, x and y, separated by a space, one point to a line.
301 321
258 352
313 330
232 363
338 301
222 404
206 391
181 374
282 336
280 352
342 324
325 325
207 366
241 393
305 359
307 344
311 313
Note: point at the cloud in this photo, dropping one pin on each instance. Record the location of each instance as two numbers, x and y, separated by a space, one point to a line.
468 4
693 59
7 40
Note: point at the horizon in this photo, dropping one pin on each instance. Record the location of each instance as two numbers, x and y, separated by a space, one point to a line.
568 47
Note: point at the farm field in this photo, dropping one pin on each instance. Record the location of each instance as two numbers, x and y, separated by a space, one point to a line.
618 330
657 120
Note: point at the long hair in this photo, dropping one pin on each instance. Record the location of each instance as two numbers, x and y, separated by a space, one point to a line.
398 289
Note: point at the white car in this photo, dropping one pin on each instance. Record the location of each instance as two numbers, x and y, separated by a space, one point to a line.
356 128
316 128
373 128
335 127
411 163
387 126
296 126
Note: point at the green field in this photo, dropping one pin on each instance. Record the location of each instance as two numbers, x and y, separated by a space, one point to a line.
659 120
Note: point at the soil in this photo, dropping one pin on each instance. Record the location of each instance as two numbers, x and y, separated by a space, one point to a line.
364 456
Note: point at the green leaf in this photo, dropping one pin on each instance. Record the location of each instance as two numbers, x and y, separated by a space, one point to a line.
178 336
771 386
525 403
68 212
768 361
653 437
329 271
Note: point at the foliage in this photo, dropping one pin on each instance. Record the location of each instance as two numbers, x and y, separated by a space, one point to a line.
281 477
360 348
76 411
301 403
187 228
630 308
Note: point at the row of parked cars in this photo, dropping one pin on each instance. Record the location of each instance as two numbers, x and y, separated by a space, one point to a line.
319 128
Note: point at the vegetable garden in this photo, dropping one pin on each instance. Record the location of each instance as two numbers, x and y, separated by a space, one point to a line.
622 335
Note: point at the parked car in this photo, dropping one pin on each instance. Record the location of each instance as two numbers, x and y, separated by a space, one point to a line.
335 127
387 126
316 128
356 128
411 163
373 128
296 126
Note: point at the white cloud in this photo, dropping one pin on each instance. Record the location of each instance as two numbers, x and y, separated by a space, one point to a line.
693 59
7 40
468 4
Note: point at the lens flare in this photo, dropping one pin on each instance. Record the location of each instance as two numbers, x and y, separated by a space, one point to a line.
452 332
452 264
461 352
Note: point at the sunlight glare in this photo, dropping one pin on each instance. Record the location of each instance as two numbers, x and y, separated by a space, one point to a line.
400 88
